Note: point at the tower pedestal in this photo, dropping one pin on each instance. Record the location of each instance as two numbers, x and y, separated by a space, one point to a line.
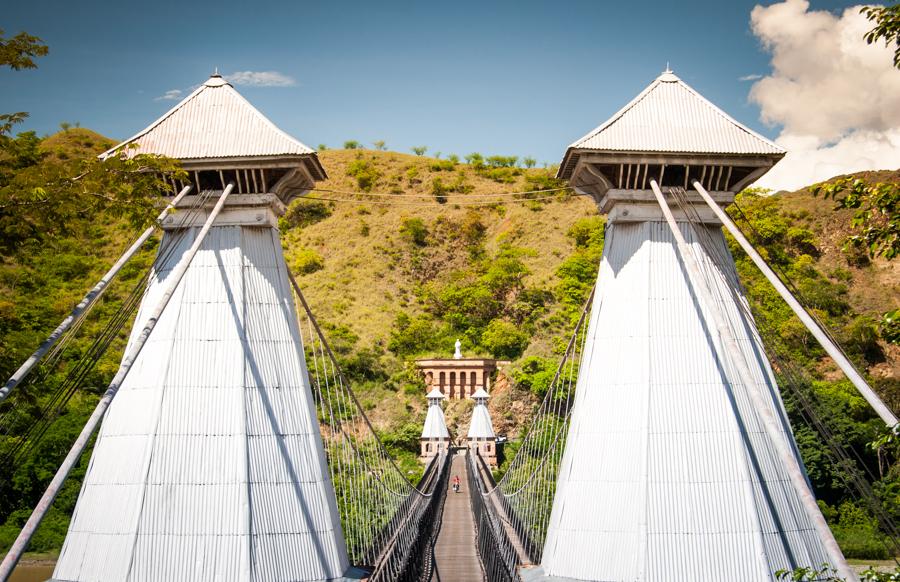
209 464
667 468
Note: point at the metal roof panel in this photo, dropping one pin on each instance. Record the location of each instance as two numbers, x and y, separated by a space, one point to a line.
670 116
213 122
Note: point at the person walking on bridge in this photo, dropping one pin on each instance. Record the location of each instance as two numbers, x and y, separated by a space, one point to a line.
456 483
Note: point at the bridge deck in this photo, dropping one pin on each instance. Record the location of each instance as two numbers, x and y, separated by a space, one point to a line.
456 552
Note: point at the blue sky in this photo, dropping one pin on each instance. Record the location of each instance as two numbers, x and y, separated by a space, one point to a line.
516 78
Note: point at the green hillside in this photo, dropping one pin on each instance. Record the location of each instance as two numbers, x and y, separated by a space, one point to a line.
416 259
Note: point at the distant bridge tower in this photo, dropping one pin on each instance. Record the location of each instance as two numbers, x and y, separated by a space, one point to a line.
481 435
435 436
209 464
670 471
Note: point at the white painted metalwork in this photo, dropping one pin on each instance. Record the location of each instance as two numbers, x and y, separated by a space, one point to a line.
210 464
827 344
435 424
140 338
670 116
214 121
679 461
481 426
667 467
733 357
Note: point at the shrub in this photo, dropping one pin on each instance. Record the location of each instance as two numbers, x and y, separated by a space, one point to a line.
306 261
543 180
404 438
413 336
305 212
855 255
442 166
438 190
502 161
588 233
352 144
459 185
419 150
366 174
504 339
889 326
475 160
379 145
535 374
857 534
322 147
861 337
529 162
802 240
502 175
414 231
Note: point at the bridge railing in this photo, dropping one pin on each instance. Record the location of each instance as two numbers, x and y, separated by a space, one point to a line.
513 516
385 519
409 554
499 555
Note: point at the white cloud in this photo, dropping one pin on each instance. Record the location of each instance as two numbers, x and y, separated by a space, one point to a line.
750 77
836 98
260 79
169 95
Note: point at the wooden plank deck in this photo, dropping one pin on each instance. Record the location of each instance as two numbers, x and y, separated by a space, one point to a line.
456 552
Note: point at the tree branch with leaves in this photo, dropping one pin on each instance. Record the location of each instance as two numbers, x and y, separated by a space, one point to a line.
887 27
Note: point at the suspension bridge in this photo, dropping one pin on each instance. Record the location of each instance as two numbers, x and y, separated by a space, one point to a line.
230 445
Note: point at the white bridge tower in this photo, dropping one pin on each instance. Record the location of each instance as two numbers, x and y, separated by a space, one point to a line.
672 469
209 464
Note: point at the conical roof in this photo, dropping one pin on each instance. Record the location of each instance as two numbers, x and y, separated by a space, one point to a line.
216 123
481 426
435 424
480 393
669 116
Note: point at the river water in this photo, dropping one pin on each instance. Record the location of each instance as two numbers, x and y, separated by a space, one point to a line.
31 573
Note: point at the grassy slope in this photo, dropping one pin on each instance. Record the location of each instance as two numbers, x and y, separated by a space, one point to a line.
872 288
363 284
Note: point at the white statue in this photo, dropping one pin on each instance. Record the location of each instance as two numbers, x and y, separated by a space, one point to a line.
457 354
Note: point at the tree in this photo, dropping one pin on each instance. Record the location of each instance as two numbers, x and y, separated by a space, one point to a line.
529 162
877 217
379 145
887 27
352 144
49 194
18 53
419 150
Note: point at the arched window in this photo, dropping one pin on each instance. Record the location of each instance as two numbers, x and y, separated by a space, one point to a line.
442 379
472 383
462 384
428 448
452 384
